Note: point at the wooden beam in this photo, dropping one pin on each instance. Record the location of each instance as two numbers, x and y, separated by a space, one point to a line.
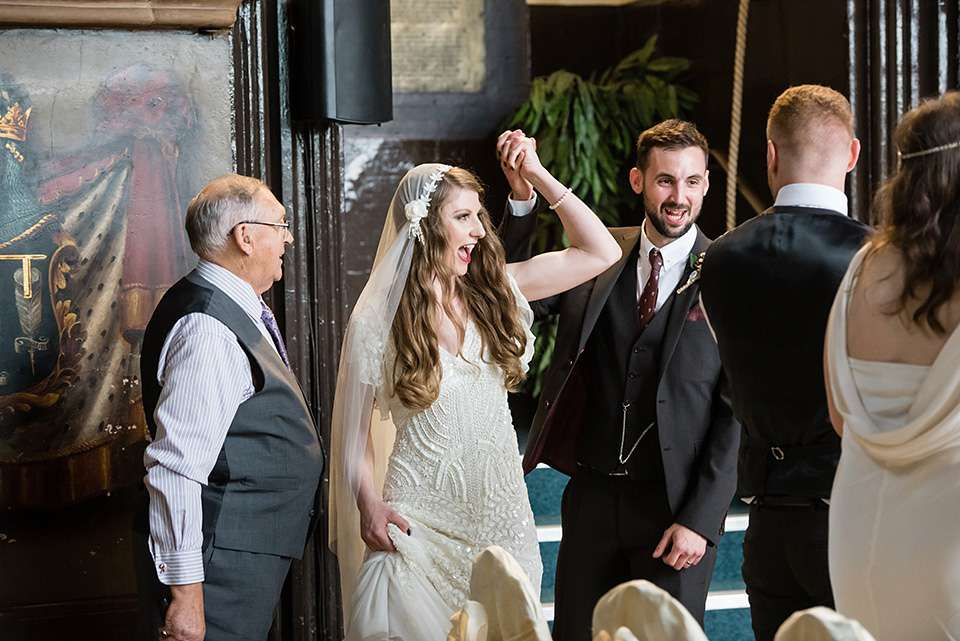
126 14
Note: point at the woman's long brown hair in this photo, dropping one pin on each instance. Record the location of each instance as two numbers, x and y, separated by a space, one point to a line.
483 292
917 210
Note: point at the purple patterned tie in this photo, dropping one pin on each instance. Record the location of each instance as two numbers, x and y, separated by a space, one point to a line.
270 321
647 305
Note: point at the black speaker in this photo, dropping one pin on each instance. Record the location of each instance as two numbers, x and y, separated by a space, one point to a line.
340 61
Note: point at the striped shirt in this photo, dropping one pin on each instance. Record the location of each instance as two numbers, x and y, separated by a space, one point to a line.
204 375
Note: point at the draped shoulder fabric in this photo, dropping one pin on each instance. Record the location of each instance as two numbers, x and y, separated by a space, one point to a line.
894 553
932 425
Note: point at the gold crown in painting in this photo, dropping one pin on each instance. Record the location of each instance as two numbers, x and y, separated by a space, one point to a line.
14 123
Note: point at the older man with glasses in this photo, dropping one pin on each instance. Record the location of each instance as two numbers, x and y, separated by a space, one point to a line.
235 460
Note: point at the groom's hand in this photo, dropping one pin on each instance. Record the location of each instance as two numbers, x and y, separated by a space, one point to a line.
513 148
685 546
374 517
184 620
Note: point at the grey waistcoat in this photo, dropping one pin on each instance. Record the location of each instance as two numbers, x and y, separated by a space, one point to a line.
261 495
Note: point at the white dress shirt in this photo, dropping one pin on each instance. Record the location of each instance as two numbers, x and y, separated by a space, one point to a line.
675 258
812 195
204 376
522 207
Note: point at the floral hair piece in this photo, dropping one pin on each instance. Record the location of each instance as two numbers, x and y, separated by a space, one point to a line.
416 210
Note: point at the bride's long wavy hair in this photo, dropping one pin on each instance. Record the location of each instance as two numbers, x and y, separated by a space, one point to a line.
482 291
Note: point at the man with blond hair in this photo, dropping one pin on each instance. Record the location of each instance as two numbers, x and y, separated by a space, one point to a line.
767 288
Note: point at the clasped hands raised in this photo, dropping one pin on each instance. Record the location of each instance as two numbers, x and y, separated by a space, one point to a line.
519 161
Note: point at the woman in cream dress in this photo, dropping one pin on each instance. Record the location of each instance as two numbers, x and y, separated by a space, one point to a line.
893 379
438 337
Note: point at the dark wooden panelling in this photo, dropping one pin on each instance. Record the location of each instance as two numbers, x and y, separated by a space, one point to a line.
901 51
101 619
303 165
87 547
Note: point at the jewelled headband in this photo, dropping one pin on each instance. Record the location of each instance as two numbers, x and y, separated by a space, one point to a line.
927 152
416 210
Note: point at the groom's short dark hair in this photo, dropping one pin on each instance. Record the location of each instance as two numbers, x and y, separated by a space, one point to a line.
669 134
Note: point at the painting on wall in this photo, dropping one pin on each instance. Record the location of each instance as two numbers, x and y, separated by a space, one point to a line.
103 141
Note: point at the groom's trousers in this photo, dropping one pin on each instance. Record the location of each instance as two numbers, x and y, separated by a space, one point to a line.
611 525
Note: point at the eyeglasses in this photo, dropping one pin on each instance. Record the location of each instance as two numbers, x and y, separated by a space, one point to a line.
257 222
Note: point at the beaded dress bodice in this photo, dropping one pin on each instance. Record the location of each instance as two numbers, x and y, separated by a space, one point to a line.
455 468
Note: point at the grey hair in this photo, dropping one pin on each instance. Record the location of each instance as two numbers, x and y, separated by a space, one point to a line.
218 208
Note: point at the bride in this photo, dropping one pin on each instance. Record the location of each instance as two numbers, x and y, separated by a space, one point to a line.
439 335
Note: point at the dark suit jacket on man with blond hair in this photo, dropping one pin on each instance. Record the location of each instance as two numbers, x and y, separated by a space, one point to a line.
767 288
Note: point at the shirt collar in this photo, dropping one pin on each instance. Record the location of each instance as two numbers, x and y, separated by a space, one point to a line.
239 290
812 195
672 253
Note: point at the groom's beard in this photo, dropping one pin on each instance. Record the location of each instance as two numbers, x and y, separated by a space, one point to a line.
656 218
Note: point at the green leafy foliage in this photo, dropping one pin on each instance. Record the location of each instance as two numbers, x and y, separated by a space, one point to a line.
586 131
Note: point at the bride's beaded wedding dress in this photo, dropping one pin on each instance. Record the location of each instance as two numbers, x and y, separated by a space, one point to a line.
455 475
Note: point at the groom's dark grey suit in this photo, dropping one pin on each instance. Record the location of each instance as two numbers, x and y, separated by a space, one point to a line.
684 471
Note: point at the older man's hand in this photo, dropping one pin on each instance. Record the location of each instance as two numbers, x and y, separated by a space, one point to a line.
185 615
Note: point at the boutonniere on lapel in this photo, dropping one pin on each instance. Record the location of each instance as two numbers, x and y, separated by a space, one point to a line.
696 263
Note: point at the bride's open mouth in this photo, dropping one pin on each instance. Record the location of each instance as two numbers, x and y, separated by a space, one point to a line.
464 252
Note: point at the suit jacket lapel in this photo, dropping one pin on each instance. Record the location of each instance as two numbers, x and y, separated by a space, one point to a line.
681 305
627 238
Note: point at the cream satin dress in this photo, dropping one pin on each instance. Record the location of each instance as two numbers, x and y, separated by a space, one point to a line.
895 508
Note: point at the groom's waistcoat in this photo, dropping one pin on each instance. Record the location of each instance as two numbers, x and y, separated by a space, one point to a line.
260 495
623 367
768 287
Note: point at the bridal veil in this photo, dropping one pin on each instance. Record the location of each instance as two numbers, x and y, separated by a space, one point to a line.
360 380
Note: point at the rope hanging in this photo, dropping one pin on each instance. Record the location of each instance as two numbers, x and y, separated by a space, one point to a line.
733 153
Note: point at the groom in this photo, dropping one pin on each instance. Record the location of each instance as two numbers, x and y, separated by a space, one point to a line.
635 407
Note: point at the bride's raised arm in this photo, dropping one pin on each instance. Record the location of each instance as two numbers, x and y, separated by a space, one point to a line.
592 249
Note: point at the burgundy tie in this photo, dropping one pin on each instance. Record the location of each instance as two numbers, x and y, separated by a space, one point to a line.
266 315
647 306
